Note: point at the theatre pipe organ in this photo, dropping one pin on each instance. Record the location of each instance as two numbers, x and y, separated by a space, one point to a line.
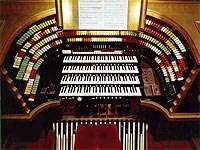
101 74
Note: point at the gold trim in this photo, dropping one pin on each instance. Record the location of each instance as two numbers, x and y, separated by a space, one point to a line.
150 1
13 89
143 12
136 12
184 89
174 1
2 22
171 116
70 14
59 13
197 24
33 113
28 1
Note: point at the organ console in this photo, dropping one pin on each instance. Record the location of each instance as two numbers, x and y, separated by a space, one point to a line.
99 75
63 81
